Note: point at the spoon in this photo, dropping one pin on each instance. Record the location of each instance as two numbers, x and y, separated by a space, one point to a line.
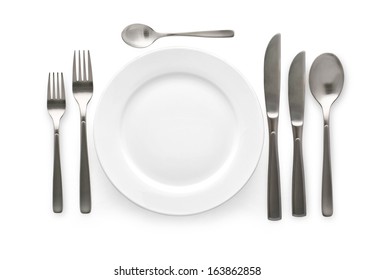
141 36
326 79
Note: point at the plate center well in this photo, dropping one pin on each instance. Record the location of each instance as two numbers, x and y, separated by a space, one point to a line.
178 129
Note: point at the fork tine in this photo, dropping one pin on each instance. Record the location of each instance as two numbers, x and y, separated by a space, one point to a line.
89 66
53 86
80 66
74 69
62 87
84 66
58 95
49 95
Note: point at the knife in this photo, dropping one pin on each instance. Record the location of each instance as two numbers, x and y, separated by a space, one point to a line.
296 99
272 65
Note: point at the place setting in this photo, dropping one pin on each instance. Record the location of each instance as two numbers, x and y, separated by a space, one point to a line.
179 131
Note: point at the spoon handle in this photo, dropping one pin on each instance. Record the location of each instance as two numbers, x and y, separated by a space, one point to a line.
327 204
208 34
298 182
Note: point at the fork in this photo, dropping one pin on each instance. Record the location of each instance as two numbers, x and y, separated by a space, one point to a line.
82 91
56 105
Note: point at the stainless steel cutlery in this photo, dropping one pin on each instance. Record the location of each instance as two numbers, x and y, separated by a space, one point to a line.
296 100
326 79
272 76
82 91
141 35
56 105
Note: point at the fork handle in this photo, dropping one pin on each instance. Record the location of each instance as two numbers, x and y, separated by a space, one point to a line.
57 181
85 186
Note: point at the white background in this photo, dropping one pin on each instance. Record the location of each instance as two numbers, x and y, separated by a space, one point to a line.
39 36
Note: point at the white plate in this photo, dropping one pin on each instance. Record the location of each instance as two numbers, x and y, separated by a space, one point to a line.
178 131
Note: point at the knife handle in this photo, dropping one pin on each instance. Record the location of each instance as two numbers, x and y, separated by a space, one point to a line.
274 191
298 182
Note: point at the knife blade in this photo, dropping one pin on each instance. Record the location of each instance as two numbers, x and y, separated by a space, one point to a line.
296 89
272 74
296 100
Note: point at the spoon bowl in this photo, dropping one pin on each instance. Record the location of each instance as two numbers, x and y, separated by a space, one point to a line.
139 35
326 79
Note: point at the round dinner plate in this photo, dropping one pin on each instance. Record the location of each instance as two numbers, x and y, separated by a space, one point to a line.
178 131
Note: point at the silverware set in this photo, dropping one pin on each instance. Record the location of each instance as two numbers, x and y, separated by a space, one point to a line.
326 80
56 104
